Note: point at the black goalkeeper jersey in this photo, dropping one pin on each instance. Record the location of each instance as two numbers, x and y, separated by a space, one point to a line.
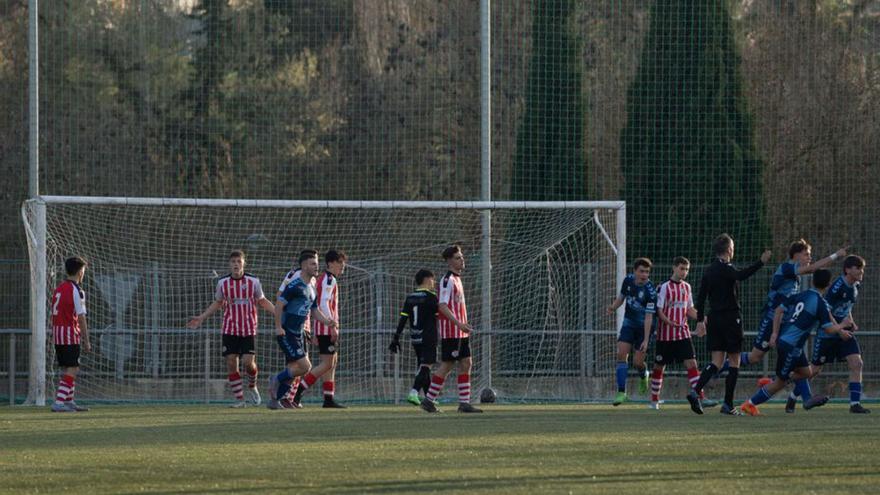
420 308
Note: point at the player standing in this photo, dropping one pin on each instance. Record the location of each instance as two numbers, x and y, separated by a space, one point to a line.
640 296
793 322
239 294
70 332
828 348
454 332
420 308
327 337
295 304
675 304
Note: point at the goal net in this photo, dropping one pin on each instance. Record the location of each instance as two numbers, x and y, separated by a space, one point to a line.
537 279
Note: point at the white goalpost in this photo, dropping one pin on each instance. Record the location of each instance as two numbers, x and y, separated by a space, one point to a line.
547 271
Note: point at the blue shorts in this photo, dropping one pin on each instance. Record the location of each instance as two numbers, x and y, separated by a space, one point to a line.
631 335
291 344
765 330
829 350
788 359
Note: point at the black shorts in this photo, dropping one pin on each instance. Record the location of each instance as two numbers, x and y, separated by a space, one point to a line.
325 346
67 355
234 344
455 349
724 332
426 352
674 351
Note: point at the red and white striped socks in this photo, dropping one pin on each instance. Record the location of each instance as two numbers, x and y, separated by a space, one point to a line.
656 385
464 389
66 388
436 386
329 389
235 386
252 377
693 378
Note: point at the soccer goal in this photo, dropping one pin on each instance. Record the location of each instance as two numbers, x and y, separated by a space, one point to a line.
538 276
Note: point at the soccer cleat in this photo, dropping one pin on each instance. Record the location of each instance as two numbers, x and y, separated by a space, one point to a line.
429 406
332 404
273 404
816 402
286 404
790 404
466 407
253 397
413 399
619 399
729 410
61 407
707 403
749 409
296 404
654 406
696 405
858 409
76 407
239 404
273 388
643 385
764 381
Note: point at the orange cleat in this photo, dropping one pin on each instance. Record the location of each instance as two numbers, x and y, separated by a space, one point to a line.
750 409
764 381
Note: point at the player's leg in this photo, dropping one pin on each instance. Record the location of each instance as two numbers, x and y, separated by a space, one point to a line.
761 344
249 363
67 357
230 354
656 384
326 354
853 355
423 375
639 363
329 384
733 356
449 350
291 344
621 371
465 364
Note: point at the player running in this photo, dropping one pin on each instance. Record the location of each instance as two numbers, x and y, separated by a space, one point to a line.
70 333
239 294
640 296
420 308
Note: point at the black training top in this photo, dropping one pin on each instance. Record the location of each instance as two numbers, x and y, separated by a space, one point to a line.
720 284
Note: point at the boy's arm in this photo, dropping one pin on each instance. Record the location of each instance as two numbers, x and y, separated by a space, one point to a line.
197 321
266 305
279 310
614 305
444 309
804 270
84 333
777 322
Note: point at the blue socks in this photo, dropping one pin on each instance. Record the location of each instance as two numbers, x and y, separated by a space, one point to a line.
761 396
802 389
855 393
621 372
744 358
284 381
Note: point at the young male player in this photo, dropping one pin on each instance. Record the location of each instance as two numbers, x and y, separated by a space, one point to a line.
640 297
675 304
295 304
828 348
293 273
784 284
70 332
793 322
327 337
420 308
239 294
454 332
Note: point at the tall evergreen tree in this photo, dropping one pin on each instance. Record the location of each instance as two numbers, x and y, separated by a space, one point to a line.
689 161
549 161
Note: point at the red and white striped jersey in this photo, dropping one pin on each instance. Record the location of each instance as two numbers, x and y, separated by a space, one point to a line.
327 300
240 296
68 302
292 275
674 299
452 295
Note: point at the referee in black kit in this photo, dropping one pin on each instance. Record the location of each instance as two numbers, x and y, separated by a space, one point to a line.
724 329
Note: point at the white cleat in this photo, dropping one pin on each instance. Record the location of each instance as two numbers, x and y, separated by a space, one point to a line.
654 406
253 396
239 404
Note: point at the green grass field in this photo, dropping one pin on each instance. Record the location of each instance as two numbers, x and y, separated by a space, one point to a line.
386 449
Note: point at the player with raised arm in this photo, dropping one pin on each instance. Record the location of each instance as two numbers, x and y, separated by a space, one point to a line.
831 347
640 296
327 337
784 284
238 293
70 332
420 308
675 304
793 322
454 332
295 304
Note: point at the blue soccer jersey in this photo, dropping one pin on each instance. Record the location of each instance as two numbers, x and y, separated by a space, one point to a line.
804 312
784 284
299 298
841 298
640 300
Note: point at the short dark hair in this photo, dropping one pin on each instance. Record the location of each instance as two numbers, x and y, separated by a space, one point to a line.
680 260
798 246
821 278
451 251
334 255
307 254
73 265
642 262
721 244
853 261
422 274
237 253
